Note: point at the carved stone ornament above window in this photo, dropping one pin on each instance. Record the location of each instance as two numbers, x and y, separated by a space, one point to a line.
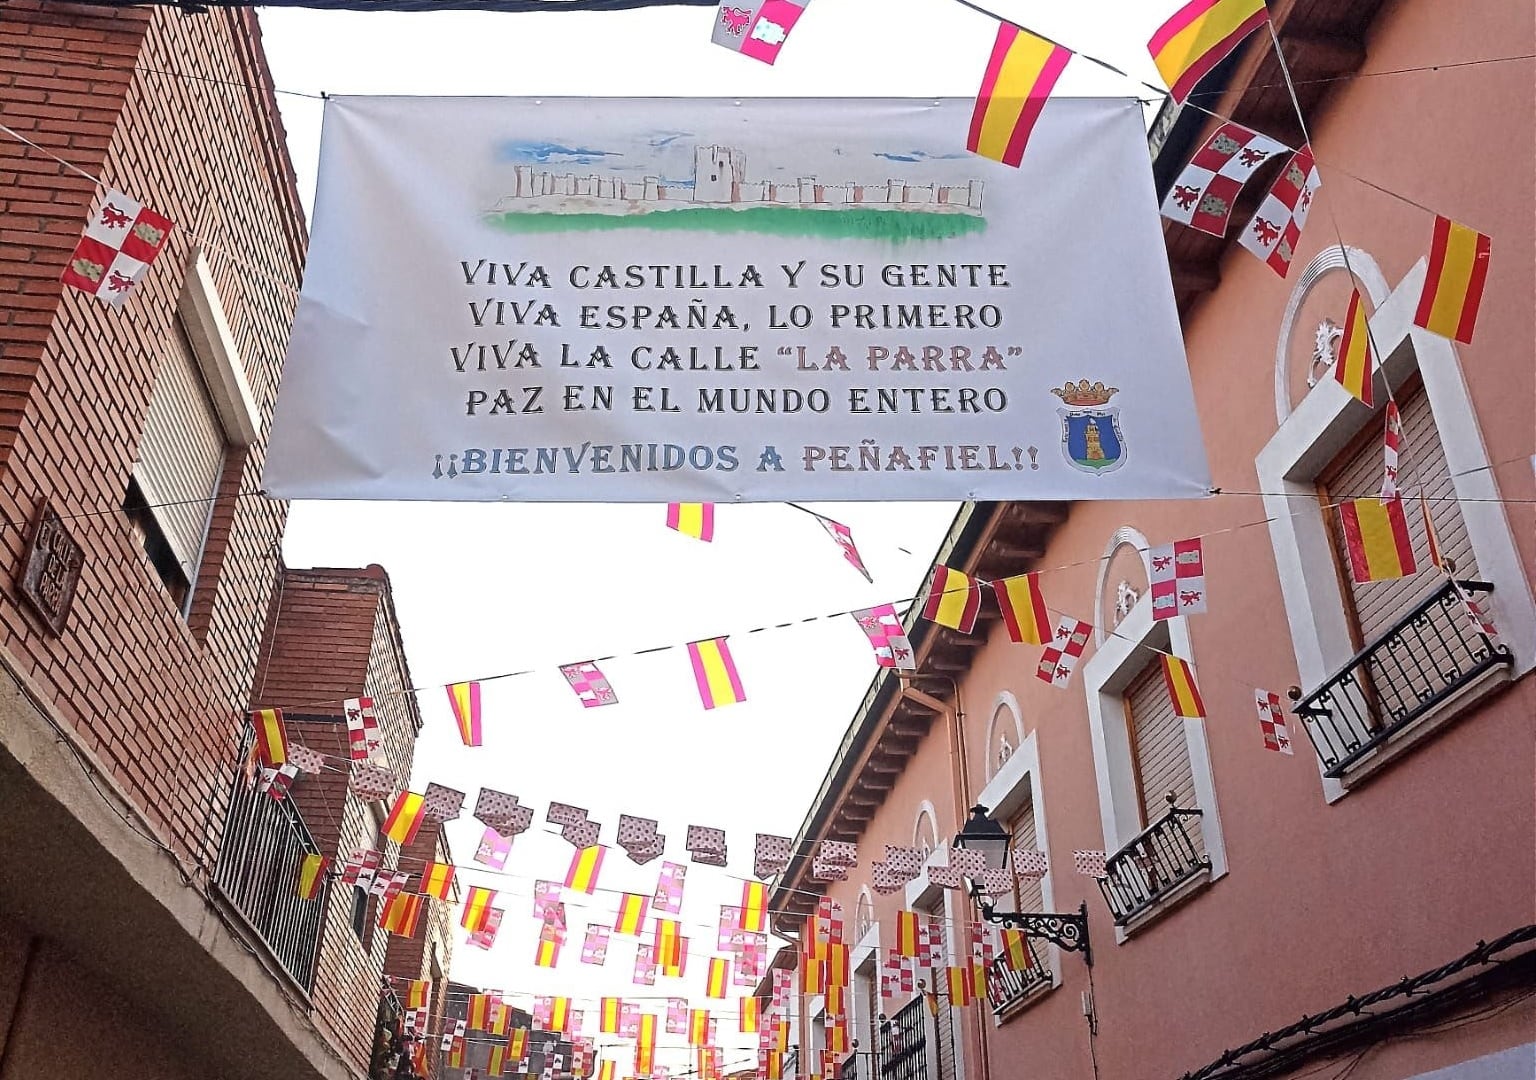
1126 596
51 568
1325 350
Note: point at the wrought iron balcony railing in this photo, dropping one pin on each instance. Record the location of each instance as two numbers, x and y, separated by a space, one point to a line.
1006 987
904 1043
1421 660
258 872
1161 858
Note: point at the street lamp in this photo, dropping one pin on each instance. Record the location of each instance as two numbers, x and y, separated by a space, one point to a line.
1069 931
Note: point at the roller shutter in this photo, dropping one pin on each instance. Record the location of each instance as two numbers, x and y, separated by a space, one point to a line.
1161 750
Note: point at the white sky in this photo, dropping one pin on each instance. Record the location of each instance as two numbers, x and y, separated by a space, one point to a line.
483 589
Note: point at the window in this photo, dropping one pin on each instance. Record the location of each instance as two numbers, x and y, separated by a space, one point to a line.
863 914
181 459
360 921
1028 893
925 834
1159 751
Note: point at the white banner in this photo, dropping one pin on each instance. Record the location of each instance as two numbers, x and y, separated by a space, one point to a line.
631 300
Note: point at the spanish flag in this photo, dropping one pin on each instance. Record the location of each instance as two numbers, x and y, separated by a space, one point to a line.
311 875
692 519
497 1066
1355 369
405 817
906 933
1199 36
607 1070
750 1017
1020 74
1016 951
559 1013
547 954
455 1059
517 1044
402 914
1182 690
631 916
668 942
1023 607
501 1017
610 1014
1376 537
464 697
837 962
813 976
953 600
678 969
836 999
715 673
479 1012
718 978
645 1045
416 993
962 991
773 1065
437 880
978 971
837 1037
271 737
1453 289
754 906
781 1037
586 864
477 908
698 1027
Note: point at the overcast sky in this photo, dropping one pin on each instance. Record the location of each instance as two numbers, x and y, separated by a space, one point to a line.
485 589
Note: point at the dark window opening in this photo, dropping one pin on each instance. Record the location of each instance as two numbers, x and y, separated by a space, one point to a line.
153 540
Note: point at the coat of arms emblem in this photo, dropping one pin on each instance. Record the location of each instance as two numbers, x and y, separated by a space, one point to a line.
1090 433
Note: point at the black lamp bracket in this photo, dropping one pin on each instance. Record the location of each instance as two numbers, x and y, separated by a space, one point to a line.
1066 930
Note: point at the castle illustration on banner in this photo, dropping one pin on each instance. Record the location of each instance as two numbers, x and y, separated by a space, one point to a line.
722 198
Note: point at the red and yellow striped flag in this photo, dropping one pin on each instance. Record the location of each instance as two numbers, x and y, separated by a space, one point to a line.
1453 289
836 999
455 1058
497 1065
517 1044
1182 691
464 698
962 991
437 880
953 600
813 976
586 864
417 991
1020 74
978 973
718 977
1376 537
692 519
906 933
607 1070
1198 37
402 914
749 1018
645 1045
477 908
1355 369
781 1037
677 969
698 1027
405 817
839 969
547 953
479 1012
610 1015
501 1018
559 1013
631 917
714 671
271 737
773 1065
311 875
754 906
837 1037
1016 951
1023 607
668 942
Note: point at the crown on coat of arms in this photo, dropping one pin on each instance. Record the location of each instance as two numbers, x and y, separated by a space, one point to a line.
1082 393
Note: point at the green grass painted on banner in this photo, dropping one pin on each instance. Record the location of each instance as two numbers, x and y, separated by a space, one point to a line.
894 225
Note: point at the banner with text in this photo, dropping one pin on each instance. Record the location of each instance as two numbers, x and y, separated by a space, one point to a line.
652 300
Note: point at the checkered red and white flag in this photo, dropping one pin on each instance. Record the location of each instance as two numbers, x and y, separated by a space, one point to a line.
121 239
1276 227
1203 195
1272 721
887 637
363 736
590 684
1061 655
840 533
1391 443
1178 579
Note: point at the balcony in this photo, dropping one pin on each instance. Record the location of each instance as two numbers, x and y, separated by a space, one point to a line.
1007 988
258 874
1428 658
904 1043
1148 870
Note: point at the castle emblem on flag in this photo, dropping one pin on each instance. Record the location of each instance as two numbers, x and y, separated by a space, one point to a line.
1090 433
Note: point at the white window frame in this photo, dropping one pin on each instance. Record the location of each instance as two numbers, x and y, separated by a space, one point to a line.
1002 797
1006 702
218 357
1116 662
1311 435
926 809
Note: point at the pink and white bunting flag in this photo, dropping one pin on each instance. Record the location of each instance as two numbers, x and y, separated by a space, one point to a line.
730 925
882 626
582 834
642 855
967 861
1203 195
645 965
590 684
122 238
636 832
1272 721
371 783
364 739
669 889
501 812
441 803
1391 443
1178 579
843 537
560 813
839 853
306 760
677 1016
1028 863
770 855
548 904
1273 233
594 947
944 877
1090 863
756 28
1060 657
905 861
824 871
493 849
997 882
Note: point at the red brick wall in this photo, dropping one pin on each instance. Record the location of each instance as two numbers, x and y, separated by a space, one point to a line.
157 698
